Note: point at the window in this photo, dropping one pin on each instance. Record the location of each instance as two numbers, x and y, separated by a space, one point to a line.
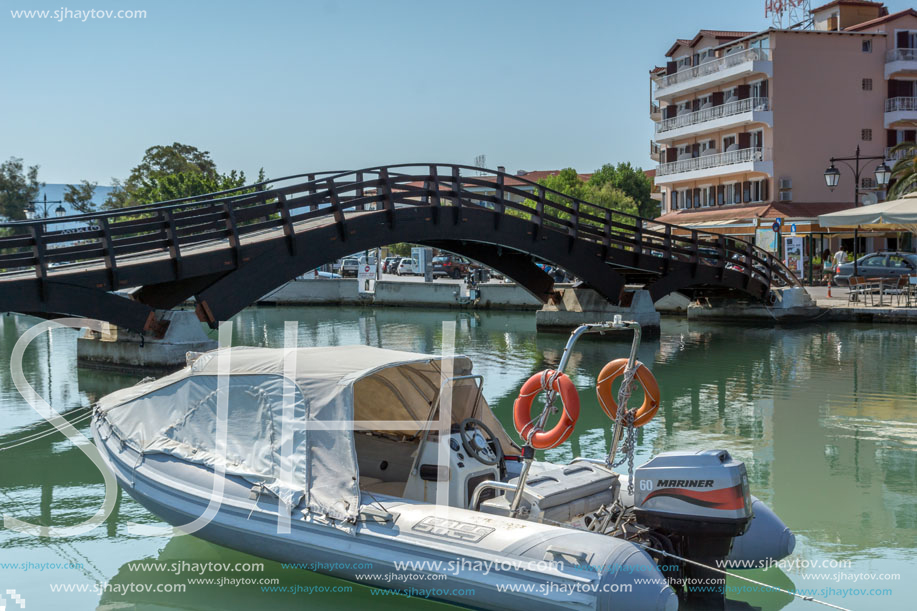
867 46
673 198
877 261
758 89
867 84
705 101
707 196
707 147
684 62
729 143
733 193
757 139
866 134
730 94
757 190
687 196
899 262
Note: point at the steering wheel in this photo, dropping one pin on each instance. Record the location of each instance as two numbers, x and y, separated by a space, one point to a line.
490 453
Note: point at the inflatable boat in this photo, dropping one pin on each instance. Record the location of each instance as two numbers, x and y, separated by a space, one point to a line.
389 469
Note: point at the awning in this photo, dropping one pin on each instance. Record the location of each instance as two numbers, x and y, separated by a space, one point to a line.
894 215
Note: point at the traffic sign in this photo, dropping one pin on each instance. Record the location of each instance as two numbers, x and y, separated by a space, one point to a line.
779 220
793 228
776 227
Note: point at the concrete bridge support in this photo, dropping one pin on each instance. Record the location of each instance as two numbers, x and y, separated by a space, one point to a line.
576 306
121 349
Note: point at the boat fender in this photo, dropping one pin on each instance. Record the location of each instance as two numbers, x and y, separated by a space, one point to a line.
615 369
522 410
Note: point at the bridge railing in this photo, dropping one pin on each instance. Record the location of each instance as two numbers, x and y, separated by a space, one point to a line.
125 236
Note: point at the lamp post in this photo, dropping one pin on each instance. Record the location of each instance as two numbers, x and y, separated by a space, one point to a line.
833 177
31 213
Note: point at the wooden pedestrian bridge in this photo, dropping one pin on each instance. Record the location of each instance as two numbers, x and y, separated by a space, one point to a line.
226 250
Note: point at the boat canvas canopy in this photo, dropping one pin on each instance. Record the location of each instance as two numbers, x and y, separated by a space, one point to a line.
308 401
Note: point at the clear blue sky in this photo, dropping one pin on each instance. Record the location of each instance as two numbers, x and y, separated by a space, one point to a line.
321 84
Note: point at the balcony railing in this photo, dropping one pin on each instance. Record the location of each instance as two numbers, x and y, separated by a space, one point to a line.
715 160
714 65
897 155
899 104
714 112
901 55
654 151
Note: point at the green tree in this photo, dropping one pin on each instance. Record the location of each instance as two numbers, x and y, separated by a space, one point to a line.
904 172
633 181
600 196
80 196
171 172
18 186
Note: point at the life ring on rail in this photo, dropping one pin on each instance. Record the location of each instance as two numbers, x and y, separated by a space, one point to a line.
614 370
522 410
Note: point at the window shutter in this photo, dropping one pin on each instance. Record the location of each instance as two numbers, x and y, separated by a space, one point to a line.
711 144
697 198
764 190
891 137
695 150
744 140
717 98
763 89
910 135
671 154
892 88
743 91
695 105
721 195
695 59
903 41
671 67
746 191
673 200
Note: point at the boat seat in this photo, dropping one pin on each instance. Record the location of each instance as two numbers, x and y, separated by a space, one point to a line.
377 486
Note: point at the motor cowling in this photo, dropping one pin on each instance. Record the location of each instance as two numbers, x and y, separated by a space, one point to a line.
700 501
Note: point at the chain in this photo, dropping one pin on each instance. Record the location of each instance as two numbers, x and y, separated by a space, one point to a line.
625 418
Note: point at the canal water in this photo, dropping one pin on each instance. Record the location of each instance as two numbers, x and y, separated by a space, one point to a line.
824 416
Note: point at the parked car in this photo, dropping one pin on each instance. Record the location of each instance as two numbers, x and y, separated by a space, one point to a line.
450 265
406 267
389 264
349 267
884 264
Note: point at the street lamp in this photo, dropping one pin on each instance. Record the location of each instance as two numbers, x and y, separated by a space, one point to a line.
833 176
31 213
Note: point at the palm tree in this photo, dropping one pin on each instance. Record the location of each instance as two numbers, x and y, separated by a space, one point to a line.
904 172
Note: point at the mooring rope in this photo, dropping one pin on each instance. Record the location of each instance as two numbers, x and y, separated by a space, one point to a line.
811 599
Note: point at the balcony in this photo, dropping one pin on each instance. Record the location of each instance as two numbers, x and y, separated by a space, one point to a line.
715 118
900 109
717 164
654 151
900 60
655 112
897 155
714 72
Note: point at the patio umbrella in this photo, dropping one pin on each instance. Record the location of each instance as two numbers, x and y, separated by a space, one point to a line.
894 215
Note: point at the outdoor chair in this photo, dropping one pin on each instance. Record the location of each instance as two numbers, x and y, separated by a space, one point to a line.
900 289
860 287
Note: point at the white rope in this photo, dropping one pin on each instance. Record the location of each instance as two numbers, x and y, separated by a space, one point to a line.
748 579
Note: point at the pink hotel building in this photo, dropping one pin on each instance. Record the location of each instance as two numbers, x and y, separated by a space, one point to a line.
745 122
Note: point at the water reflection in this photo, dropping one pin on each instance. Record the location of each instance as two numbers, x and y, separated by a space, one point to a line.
823 416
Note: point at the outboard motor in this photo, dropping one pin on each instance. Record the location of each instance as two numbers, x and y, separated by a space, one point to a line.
700 501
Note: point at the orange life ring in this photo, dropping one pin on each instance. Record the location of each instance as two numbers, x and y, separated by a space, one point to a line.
614 370
522 410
